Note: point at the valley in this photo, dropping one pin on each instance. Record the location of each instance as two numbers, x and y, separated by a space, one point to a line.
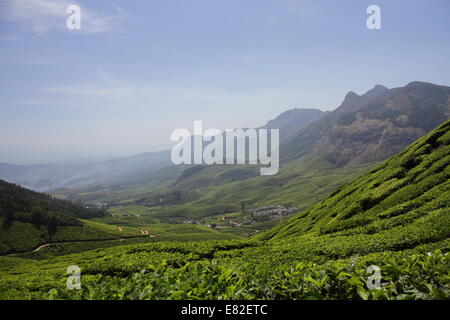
224 159
366 184
319 152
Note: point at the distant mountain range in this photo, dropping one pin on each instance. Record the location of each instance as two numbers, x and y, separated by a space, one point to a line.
54 176
365 128
373 126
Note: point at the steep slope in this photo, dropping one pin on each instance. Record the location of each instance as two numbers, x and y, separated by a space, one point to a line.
409 190
288 122
140 183
395 217
373 126
335 150
143 170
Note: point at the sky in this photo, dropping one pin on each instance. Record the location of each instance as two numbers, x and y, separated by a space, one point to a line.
138 70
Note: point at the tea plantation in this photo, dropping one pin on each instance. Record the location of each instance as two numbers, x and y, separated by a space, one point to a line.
396 218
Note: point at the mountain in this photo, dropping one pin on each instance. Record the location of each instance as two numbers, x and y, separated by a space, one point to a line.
393 220
364 128
376 91
315 161
290 121
373 126
407 192
143 170
147 169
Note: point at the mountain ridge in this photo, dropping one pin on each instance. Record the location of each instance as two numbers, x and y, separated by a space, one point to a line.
373 127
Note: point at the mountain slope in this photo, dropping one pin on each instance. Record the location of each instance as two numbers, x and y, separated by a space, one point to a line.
147 169
291 121
373 126
411 189
140 183
335 148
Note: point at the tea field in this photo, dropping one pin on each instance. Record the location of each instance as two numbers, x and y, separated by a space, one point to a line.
386 235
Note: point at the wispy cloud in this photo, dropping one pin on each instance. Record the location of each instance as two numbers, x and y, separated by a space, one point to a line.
42 16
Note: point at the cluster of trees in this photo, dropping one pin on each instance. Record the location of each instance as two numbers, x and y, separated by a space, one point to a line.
20 204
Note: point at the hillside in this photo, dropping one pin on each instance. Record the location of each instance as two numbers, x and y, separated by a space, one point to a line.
365 128
328 151
30 220
408 192
395 217
17 203
373 126
119 174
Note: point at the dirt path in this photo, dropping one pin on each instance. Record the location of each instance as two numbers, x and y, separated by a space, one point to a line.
40 247
71 241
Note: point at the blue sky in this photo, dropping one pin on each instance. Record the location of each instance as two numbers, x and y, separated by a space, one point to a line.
137 70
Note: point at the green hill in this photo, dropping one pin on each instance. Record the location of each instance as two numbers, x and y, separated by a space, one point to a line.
395 217
408 192
319 152
17 203
29 220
